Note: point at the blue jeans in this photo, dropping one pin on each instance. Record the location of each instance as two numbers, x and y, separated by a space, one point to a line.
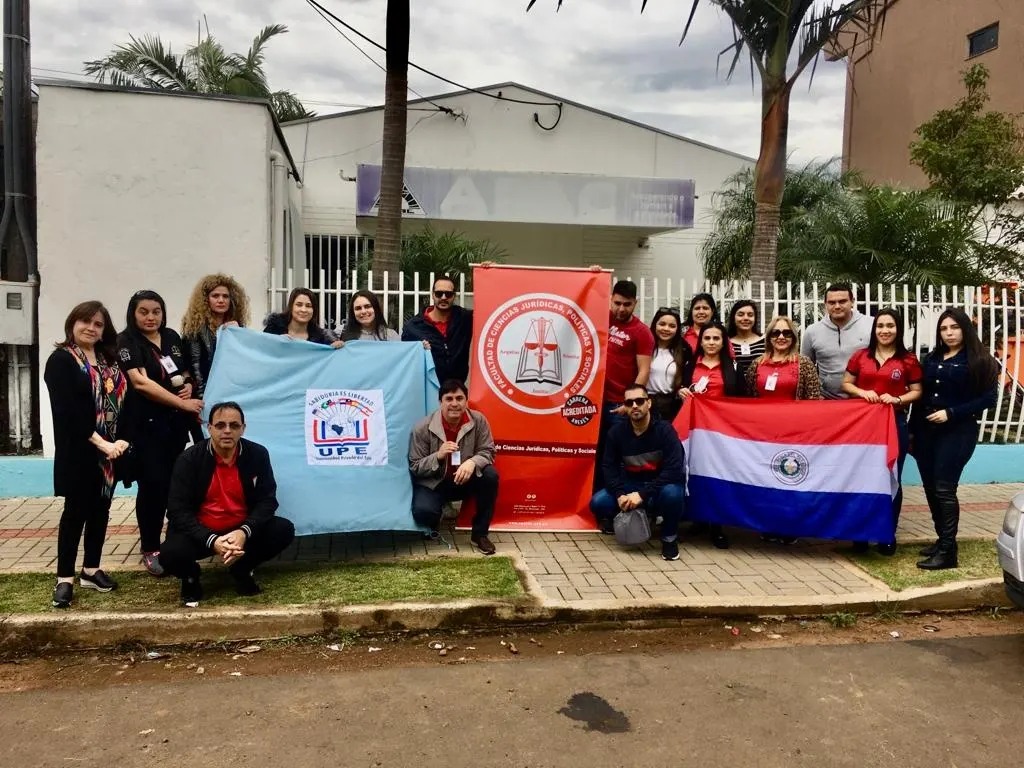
667 503
903 436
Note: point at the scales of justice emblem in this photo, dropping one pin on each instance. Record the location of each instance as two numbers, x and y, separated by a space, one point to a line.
540 359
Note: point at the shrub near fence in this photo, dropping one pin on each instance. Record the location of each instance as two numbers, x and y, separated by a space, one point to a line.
996 310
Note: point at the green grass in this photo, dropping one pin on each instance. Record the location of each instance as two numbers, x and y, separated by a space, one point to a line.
325 584
978 560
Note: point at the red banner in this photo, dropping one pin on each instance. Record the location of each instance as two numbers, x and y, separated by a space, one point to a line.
538 374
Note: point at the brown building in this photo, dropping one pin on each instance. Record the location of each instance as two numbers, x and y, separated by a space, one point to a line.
913 69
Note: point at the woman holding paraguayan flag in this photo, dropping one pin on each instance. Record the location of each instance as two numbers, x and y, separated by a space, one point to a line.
886 373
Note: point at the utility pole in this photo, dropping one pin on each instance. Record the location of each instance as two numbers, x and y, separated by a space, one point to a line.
19 279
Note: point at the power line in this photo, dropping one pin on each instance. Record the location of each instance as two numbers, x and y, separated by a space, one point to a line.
327 16
323 11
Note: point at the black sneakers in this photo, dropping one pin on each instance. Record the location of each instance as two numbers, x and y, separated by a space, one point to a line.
191 592
99 581
483 544
245 584
670 550
62 594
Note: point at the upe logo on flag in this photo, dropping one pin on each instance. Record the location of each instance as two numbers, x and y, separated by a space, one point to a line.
346 426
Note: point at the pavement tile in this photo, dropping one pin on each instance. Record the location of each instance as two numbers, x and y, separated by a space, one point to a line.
567 566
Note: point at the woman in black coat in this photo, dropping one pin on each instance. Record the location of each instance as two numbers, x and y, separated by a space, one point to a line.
161 409
960 381
87 390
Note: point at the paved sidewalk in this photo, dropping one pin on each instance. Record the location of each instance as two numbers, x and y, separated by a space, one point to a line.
568 568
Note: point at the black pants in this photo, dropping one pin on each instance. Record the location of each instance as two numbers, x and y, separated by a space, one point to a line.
666 404
84 511
156 457
942 451
179 553
483 488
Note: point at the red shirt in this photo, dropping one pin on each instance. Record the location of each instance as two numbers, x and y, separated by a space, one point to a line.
441 325
787 377
625 342
893 377
691 337
451 433
716 384
224 508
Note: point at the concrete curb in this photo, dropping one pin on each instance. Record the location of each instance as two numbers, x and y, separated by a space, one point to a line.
41 631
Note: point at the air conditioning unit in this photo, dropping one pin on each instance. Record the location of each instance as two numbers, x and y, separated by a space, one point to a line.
17 313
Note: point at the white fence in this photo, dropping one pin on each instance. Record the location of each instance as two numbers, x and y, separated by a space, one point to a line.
996 310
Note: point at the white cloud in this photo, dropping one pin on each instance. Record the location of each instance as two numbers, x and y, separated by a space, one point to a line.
603 53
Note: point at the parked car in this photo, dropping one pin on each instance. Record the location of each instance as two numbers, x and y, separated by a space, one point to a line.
1010 544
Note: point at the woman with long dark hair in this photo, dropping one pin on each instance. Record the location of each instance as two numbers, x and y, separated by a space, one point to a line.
744 335
299 320
366 321
712 374
671 356
886 373
960 382
161 407
702 311
87 390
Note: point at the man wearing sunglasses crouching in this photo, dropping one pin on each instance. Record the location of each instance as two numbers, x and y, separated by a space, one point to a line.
222 503
447 330
643 467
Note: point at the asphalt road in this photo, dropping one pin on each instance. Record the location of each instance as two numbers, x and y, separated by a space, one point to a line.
942 702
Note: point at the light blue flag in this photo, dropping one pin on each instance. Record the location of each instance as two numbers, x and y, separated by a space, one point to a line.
336 423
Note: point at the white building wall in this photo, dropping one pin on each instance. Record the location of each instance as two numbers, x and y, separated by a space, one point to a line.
140 190
492 135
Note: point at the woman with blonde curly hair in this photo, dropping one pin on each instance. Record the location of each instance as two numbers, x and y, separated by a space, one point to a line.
216 301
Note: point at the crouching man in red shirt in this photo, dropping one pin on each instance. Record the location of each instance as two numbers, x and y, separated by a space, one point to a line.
222 502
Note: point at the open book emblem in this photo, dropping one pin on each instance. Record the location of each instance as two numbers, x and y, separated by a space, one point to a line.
540 359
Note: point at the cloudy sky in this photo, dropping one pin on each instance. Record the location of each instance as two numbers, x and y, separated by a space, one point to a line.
602 53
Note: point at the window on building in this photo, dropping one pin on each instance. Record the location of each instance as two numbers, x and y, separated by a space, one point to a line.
983 40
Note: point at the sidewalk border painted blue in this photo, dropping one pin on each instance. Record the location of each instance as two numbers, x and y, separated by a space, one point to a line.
33 475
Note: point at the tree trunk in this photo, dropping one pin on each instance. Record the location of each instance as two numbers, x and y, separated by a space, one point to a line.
769 180
388 239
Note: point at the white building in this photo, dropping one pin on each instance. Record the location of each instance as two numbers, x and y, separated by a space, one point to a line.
537 178
148 189
152 189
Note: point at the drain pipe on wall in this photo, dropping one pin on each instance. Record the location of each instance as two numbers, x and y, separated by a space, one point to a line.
278 263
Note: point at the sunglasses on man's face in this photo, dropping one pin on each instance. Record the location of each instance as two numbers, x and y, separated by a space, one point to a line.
781 334
635 401
444 294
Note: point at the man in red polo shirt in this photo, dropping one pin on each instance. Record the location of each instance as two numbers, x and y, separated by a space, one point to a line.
630 347
222 502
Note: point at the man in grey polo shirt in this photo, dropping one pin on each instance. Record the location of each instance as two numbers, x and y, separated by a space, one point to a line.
831 342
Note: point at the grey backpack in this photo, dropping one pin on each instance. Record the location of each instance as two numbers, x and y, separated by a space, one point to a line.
632 528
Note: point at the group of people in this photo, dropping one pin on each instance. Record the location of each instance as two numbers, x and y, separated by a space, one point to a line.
125 406
652 369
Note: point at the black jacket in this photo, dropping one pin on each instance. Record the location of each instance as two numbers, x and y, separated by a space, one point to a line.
648 462
733 382
191 479
450 352
277 324
76 461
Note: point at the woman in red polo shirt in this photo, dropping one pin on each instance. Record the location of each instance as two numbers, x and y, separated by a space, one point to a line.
886 373
712 374
782 373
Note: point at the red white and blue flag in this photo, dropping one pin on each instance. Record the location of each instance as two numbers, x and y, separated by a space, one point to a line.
822 469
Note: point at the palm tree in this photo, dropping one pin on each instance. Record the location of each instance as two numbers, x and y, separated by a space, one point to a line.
205 67
726 251
771 32
831 228
388 237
